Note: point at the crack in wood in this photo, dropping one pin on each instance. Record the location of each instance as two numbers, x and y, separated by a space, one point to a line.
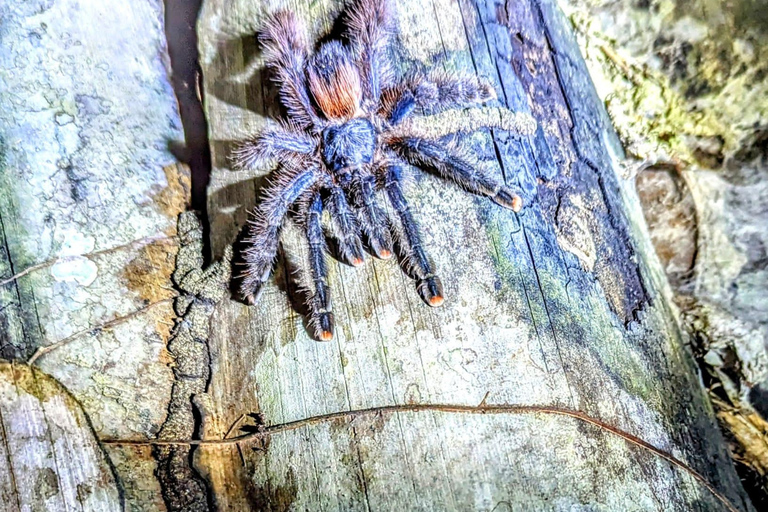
183 486
538 67
19 351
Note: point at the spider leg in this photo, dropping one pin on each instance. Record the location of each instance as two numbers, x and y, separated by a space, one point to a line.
275 142
286 49
458 168
373 220
321 316
466 120
264 229
434 92
347 229
370 26
428 284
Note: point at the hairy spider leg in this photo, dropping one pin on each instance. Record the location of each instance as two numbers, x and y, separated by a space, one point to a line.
321 316
274 142
433 155
435 92
347 231
370 26
264 229
285 46
428 284
373 219
442 90
403 107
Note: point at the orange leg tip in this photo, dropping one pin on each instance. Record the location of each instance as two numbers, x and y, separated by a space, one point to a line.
436 301
517 203
326 336
357 262
385 254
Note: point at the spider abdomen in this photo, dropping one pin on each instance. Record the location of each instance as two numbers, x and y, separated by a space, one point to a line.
348 146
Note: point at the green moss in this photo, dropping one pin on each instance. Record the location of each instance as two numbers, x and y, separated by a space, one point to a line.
504 267
578 323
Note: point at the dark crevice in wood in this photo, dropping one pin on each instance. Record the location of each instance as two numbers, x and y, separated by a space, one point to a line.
636 294
183 486
363 481
8 350
197 414
119 485
186 78
549 318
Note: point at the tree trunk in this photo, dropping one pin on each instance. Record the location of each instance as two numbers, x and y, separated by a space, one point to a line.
554 376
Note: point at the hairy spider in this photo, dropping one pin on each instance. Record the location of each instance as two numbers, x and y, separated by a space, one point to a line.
353 131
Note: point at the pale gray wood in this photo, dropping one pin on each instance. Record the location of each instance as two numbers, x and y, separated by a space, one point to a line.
51 459
89 196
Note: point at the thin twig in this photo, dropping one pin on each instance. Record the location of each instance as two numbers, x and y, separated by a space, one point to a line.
235 424
140 242
41 351
452 408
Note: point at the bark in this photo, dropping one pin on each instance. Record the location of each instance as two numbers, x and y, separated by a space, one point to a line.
89 199
686 88
553 377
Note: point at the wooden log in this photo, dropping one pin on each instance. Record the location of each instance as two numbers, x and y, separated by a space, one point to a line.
562 307
89 199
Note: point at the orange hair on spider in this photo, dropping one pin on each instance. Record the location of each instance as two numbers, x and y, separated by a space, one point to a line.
334 82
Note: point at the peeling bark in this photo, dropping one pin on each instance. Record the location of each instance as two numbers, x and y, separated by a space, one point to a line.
685 84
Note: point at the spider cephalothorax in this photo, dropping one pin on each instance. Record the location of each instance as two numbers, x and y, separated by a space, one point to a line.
352 132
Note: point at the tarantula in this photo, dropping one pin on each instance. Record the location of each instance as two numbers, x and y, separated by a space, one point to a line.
351 132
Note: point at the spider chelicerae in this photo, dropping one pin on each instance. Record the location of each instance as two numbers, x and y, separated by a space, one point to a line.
351 135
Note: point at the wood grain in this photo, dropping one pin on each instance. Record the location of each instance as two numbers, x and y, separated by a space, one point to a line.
51 459
560 306
89 199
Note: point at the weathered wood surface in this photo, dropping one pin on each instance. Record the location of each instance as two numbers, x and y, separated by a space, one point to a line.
89 198
686 88
561 306
51 459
